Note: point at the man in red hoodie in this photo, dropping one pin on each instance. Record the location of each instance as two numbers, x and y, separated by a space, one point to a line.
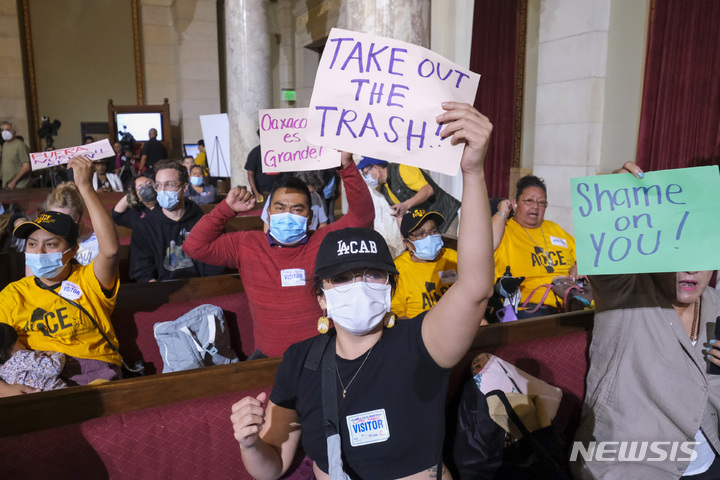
276 267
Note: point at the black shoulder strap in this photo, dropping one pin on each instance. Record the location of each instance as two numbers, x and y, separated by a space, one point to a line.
312 362
329 390
40 284
322 355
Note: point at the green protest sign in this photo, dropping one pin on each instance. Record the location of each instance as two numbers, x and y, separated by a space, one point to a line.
667 221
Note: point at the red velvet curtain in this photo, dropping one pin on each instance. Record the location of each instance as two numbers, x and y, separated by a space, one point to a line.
680 115
494 55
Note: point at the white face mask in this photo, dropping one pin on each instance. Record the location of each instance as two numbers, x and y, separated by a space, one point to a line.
360 309
7 135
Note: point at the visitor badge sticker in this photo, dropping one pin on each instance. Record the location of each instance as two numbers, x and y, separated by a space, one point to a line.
558 242
292 277
369 427
70 291
448 277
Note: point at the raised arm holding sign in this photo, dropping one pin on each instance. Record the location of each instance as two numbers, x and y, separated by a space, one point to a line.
651 348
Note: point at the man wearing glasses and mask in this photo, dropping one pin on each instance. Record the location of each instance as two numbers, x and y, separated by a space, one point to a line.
533 247
156 244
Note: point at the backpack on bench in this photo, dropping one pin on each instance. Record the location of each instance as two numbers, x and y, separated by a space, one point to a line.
197 339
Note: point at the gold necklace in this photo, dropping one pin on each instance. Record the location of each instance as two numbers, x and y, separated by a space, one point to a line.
356 372
696 324
544 251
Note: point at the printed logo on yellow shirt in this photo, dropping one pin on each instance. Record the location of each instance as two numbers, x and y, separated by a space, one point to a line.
432 294
539 259
48 323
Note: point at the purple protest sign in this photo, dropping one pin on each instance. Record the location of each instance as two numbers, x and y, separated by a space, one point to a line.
379 97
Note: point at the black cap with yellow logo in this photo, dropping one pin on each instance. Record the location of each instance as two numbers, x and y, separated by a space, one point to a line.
415 217
56 223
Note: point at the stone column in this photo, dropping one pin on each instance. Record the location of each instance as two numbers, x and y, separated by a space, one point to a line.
249 80
572 58
406 20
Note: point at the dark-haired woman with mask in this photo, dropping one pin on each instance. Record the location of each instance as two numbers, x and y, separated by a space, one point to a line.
390 381
199 191
141 198
39 307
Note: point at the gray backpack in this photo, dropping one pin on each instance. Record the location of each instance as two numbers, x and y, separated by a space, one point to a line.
197 339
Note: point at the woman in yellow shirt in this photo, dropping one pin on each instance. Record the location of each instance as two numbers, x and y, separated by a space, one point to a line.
39 307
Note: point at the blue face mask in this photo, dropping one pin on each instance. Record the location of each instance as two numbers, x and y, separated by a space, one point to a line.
372 182
167 199
45 265
329 189
288 228
428 248
197 181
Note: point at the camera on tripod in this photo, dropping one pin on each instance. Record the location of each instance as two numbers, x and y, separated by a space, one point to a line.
48 130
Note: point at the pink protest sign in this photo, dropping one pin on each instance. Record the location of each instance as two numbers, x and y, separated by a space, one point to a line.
94 151
283 144
379 97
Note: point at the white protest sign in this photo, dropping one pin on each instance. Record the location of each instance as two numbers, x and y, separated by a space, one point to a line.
216 135
283 144
94 151
379 97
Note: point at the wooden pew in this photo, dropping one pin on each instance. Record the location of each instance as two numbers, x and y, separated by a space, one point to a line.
140 306
59 407
166 426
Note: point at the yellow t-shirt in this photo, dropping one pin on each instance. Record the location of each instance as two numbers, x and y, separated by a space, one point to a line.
200 159
413 178
521 253
420 285
46 322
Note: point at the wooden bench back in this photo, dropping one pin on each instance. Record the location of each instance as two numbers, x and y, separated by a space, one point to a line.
140 306
51 409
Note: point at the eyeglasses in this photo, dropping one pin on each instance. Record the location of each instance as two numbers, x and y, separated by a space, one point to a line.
171 186
367 169
530 202
149 183
420 234
373 278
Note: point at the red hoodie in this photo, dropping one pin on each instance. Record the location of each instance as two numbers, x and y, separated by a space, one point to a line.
282 315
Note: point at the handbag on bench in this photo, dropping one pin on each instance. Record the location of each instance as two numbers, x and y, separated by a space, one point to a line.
197 339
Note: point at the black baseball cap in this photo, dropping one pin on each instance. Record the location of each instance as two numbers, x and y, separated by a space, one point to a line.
415 217
350 248
56 223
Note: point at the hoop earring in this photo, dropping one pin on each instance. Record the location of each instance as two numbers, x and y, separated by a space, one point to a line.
389 322
323 324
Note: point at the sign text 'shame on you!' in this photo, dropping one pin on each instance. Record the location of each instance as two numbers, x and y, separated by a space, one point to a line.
664 222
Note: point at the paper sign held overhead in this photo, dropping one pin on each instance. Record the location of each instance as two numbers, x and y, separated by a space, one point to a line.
283 144
94 151
379 97
664 222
